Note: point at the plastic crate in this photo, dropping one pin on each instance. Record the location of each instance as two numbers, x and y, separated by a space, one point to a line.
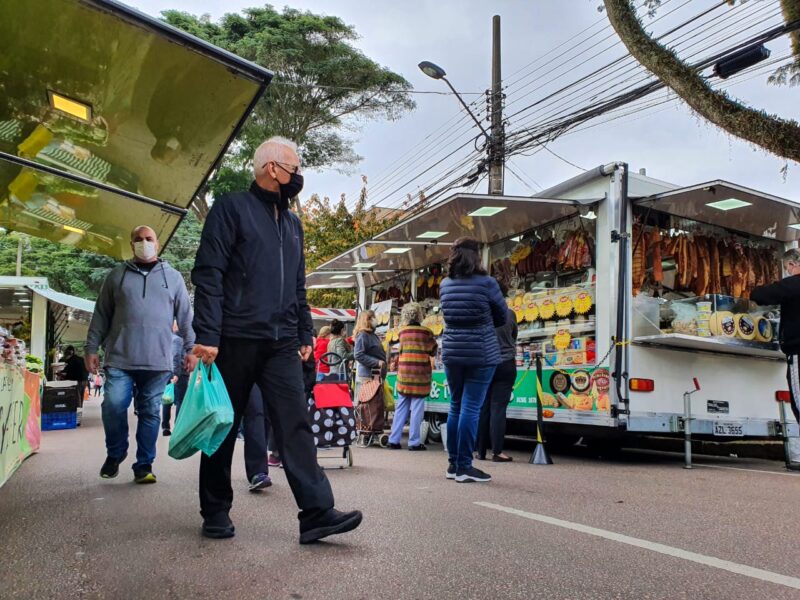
59 420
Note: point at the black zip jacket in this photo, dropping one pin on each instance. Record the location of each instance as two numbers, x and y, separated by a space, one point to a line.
786 293
249 273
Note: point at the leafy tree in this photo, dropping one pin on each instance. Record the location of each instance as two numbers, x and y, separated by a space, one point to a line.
67 269
323 87
775 134
181 249
331 229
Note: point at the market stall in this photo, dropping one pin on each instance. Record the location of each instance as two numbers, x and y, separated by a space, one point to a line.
626 285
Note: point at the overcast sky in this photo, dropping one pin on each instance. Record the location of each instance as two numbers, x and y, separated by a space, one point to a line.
667 140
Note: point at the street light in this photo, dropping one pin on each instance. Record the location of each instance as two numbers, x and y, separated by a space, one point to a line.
434 71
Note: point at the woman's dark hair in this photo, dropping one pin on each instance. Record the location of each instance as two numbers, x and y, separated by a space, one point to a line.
503 287
464 259
337 327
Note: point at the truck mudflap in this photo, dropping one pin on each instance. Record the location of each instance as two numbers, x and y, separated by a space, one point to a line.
726 428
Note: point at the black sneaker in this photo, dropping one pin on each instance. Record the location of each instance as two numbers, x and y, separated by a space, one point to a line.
218 527
394 447
419 448
451 471
167 432
331 522
144 474
472 474
110 468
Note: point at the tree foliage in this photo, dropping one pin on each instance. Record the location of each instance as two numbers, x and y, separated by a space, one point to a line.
67 269
323 86
331 229
770 132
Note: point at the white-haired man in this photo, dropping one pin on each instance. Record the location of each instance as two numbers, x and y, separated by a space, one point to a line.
253 319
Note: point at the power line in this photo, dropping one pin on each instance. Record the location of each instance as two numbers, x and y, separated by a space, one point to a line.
355 89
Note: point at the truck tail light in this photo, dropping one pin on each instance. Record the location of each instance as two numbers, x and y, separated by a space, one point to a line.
642 385
783 396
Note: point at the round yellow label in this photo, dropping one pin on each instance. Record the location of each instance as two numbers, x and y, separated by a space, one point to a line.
582 303
563 306
547 309
562 339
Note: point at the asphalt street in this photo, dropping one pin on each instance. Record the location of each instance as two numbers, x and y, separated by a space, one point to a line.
638 526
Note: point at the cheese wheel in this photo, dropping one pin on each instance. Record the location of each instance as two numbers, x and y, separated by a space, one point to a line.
531 313
764 332
547 308
563 306
582 303
745 326
723 323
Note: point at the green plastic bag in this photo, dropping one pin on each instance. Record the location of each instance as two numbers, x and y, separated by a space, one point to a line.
206 415
168 397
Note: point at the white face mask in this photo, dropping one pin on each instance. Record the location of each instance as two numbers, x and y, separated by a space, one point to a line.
145 250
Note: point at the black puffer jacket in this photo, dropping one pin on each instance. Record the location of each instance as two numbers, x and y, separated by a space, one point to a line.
786 293
249 273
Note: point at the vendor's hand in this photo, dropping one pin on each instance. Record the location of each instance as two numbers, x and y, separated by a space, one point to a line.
381 364
174 379
305 353
92 363
208 354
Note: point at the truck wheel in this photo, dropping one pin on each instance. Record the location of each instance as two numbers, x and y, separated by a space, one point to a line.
435 423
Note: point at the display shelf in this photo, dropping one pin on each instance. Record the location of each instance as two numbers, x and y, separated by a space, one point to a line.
551 331
715 344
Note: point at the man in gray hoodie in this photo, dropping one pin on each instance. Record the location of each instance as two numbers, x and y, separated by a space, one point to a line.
132 321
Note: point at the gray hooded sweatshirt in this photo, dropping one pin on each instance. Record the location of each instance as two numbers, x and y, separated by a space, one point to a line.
133 317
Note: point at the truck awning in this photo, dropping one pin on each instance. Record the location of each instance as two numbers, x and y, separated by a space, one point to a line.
73 302
109 119
425 238
733 207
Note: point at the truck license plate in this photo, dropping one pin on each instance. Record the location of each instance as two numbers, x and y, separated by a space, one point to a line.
722 428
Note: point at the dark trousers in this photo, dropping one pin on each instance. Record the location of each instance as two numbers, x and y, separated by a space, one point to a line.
258 439
180 392
492 428
274 366
793 377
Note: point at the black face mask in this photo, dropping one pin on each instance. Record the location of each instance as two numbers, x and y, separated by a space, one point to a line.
291 189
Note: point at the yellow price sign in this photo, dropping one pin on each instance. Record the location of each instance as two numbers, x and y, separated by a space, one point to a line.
562 339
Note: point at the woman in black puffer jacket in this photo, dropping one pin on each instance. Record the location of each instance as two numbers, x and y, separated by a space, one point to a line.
473 306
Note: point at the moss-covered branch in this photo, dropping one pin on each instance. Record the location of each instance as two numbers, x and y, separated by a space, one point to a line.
772 133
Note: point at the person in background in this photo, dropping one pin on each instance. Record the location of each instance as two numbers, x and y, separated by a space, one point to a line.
339 346
786 293
371 358
414 373
97 380
252 318
256 442
492 427
138 303
180 380
320 349
75 370
473 307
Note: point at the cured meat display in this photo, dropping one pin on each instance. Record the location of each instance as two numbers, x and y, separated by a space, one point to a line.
704 264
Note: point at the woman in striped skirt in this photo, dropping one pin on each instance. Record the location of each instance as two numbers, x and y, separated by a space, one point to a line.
414 373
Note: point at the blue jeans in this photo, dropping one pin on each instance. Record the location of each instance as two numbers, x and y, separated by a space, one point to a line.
119 393
404 406
468 386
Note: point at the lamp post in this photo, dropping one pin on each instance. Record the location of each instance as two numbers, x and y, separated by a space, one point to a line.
496 144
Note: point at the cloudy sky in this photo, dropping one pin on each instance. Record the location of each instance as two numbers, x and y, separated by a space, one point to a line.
547 44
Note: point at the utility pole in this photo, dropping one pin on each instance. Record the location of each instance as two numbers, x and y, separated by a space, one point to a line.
497 143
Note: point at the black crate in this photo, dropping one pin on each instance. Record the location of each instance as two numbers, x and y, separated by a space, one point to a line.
60 399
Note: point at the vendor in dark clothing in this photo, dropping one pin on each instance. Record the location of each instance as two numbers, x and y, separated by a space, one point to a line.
787 293
75 370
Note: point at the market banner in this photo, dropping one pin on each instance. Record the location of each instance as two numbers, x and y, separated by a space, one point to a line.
563 389
20 418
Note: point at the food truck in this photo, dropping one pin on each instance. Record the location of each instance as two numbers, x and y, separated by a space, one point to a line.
628 287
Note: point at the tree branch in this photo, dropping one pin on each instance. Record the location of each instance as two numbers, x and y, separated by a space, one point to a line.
772 133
